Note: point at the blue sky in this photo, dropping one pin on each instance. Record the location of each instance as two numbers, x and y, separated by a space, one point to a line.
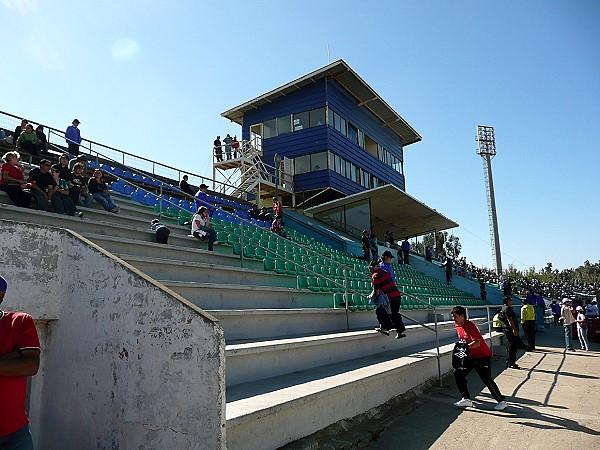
152 78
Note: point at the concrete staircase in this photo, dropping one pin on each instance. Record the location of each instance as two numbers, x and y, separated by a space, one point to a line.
294 364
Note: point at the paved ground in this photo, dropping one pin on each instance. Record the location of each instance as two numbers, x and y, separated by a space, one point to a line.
554 401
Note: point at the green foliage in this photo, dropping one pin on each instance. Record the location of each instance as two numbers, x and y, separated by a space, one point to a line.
452 246
588 273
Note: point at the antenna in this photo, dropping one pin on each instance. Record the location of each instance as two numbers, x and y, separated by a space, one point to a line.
486 148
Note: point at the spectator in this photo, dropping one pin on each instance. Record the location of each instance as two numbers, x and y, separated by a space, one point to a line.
201 227
254 212
63 167
428 254
79 190
19 359
28 141
227 141
591 309
528 322
203 199
42 140
12 180
448 265
479 358
62 202
277 207
567 320
218 149
582 329
366 246
482 291
41 184
19 129
277 227
386 238
511 332
555 308
265 215
80 159
99 190
184 186
73 137
405 250
386 264
161 230
373 246
392 240
235 145
382 282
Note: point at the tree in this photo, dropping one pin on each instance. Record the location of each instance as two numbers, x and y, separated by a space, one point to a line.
453 247
440 240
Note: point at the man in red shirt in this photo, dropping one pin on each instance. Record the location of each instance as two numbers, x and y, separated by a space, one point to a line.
480 359
19 358
383 282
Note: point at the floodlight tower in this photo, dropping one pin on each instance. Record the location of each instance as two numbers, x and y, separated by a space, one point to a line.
486 148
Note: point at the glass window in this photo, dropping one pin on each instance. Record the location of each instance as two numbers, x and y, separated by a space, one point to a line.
337 121
338 164
343 126
301 121
358 217
317 117
353 172
342 167
361 139
302 164
334 217
348 169
270 128
331 158
318 161
353 133
330 120
284 125
371 146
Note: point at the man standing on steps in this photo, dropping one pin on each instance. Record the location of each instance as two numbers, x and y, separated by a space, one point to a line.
479 358
19 359
73 137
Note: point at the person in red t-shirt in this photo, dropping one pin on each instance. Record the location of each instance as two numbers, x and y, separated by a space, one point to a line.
19 358
277 207
480 359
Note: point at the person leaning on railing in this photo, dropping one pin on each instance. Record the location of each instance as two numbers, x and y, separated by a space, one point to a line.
12 180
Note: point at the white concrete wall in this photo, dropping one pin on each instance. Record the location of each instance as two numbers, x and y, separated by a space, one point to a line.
126 363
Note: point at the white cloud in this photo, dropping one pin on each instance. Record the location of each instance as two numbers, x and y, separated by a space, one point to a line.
124 50
23 6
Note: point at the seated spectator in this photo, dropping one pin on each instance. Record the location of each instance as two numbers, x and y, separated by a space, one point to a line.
203 199
99 190
42 140
41 184
19 129
184 186
201 227
277 227
59 196
265 215
428 254
254 212
79 190
161 230
12 180
63 167
28 141
80 159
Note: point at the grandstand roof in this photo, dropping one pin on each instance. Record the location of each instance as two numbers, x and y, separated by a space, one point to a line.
355 85
393 209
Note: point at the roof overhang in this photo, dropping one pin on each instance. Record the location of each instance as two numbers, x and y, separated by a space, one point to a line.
355 85
393 209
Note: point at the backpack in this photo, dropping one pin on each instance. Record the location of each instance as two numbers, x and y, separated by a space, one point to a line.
460 356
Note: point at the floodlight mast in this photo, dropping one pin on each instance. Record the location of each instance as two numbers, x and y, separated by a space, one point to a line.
486 148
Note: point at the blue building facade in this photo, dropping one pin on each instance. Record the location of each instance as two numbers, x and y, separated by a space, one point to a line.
329 136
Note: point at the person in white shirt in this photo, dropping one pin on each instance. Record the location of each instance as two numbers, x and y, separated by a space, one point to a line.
591 309
581 328
567 320
201 227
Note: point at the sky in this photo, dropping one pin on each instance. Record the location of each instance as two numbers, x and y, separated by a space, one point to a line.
153 77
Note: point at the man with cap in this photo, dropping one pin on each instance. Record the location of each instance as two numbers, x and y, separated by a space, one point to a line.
591 310
203 199
42 184
81 159
567 319
19 359
73 137
386 264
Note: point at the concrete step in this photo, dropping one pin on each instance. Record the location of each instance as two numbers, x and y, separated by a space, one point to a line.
255 360
246 296
257 324
271 412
